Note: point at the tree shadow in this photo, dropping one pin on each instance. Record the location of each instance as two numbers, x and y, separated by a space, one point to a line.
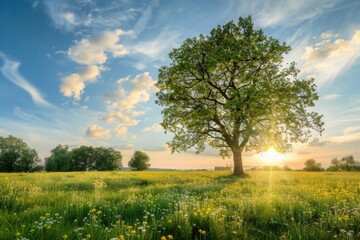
231 178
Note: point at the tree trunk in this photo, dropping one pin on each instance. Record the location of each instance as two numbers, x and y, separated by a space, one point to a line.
238 166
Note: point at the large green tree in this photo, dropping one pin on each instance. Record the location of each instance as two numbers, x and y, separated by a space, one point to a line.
16 156
231 90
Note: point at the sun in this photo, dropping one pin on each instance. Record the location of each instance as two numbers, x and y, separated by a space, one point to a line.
271 156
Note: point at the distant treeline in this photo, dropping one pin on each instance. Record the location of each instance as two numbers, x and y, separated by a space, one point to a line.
347 163
16 156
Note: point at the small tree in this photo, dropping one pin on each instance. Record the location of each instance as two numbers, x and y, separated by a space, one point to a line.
139 161
230 90
312 165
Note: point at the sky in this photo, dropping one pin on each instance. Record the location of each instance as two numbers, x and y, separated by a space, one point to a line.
82 72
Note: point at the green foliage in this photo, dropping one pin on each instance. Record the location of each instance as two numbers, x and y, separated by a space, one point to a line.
186 205
139 161
107 159
16 156
231 91
83 158
59 161
346 163
312 165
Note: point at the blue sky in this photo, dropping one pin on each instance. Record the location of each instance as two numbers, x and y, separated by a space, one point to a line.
82 72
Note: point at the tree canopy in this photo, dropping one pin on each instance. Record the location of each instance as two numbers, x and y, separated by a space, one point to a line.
346 163
230 90
312 165
16 156
83 158
139 161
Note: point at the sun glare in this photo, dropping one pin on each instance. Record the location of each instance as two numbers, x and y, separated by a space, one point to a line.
271 156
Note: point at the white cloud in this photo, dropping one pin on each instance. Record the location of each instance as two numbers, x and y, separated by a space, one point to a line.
140 66
330 58
69 17
331 96
95 131
122 80
60 13
122 106
141 88
159 47
83 15
94 50
121 131
10 70
272 13
328 35
154 128
74 84
350 130
145 17
124 118
350 137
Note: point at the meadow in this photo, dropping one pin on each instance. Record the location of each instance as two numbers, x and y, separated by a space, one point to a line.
180 205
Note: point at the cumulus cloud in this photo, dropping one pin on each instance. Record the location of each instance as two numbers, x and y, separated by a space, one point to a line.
95 131
121 131
94 50
123 106
317 143
125 118
73 85
154 128
328 58
10 70
141 88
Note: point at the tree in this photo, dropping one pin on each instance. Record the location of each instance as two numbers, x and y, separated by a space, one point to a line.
107 159
139 161
59 160
348 163
335 165
230 90
312 165
82 159
16 156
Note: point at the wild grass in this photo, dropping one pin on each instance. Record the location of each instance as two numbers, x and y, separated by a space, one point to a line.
180 205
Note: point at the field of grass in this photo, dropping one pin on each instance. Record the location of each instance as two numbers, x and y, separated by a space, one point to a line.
180 205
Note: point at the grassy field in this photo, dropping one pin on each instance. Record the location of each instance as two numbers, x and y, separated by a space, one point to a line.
180 205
